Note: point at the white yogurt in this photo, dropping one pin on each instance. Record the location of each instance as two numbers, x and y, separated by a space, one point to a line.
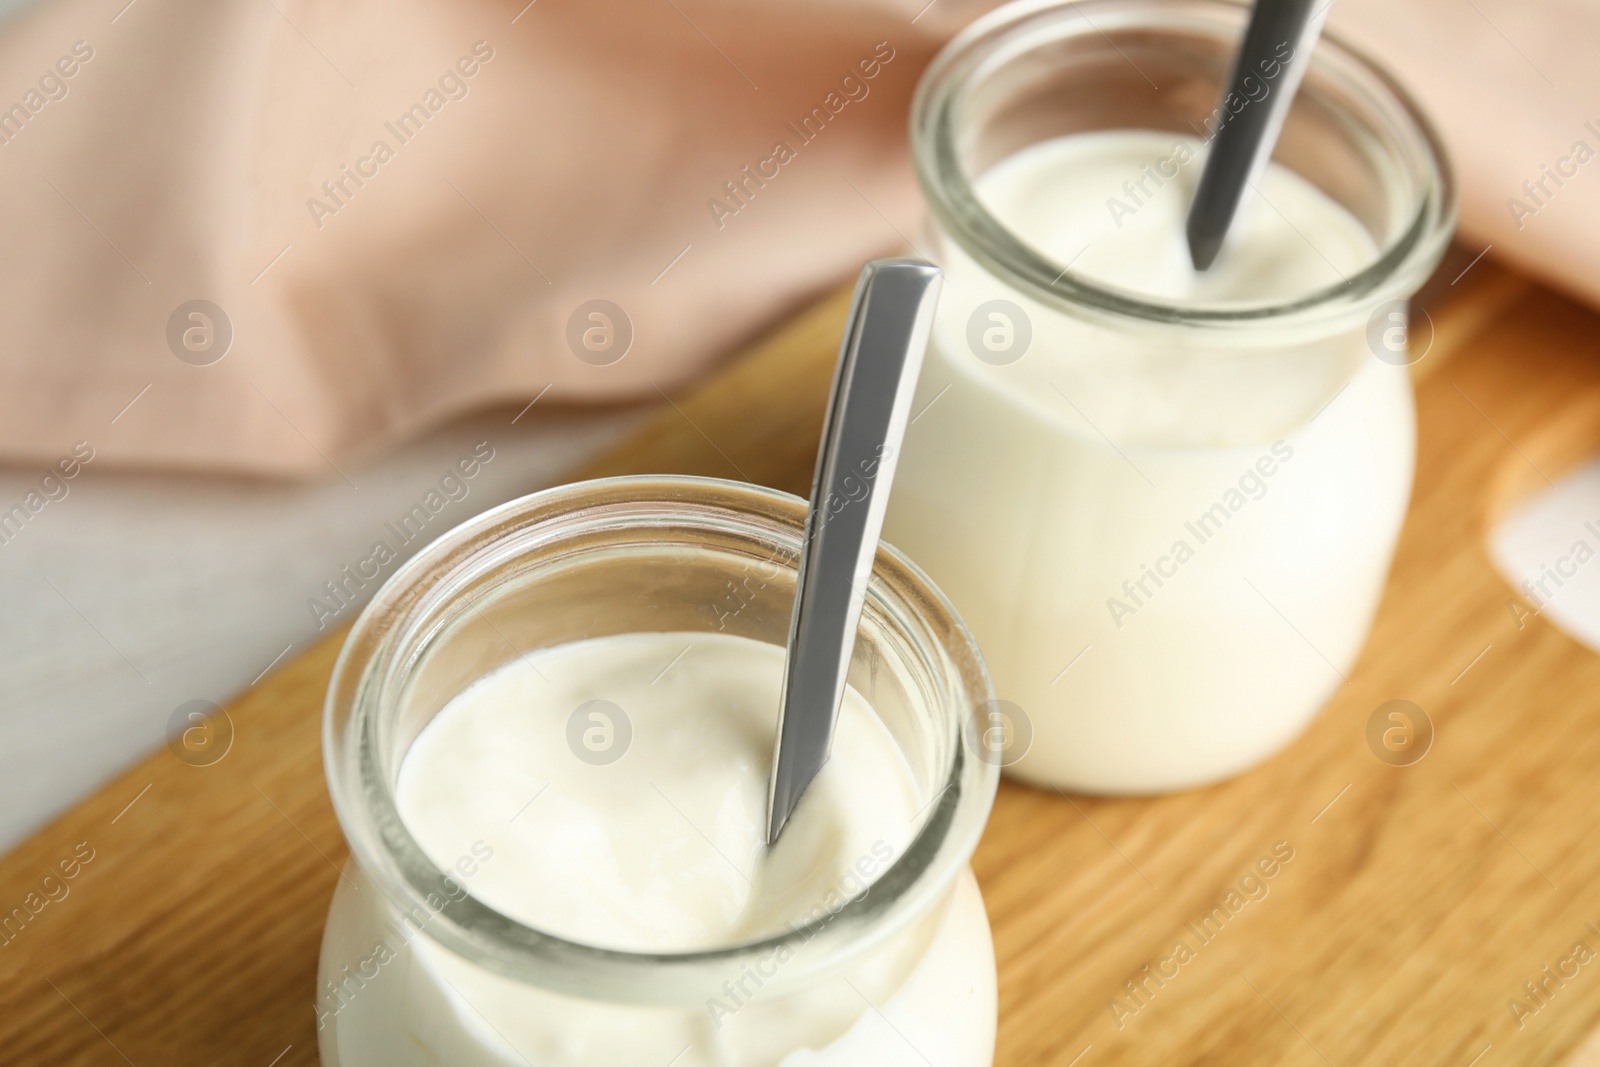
650 842
1168 555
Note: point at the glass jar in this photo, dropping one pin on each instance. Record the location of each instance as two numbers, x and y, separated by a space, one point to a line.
416 970
1168 523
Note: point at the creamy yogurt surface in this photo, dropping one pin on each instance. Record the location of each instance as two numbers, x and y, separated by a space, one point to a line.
1113 205
644 831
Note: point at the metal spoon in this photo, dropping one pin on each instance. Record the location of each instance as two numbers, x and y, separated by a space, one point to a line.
879 360
1243 141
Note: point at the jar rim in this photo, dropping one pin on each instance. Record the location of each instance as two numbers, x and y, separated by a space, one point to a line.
1398 270
364 803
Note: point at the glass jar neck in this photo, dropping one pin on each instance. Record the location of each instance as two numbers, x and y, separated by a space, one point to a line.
1030 71
579 561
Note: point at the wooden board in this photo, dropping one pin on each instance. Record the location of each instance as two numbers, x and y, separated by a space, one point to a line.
1417 902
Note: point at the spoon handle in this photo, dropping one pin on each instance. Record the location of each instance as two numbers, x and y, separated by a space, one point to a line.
1272 59
879 359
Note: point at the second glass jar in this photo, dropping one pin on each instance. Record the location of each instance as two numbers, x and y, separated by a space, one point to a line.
1168 523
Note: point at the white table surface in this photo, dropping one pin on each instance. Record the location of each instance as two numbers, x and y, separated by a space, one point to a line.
1548 547
137 593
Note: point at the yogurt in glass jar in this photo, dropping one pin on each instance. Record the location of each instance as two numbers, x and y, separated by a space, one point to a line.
548 741
1165 501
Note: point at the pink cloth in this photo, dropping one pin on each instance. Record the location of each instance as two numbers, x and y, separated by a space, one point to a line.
534 159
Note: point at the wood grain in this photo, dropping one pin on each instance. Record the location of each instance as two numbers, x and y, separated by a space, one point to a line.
1417 902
